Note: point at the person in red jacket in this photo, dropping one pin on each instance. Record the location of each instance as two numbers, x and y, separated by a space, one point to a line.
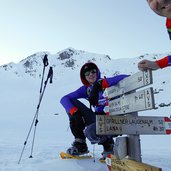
162 8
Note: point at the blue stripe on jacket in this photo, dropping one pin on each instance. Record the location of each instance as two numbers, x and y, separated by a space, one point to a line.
169 60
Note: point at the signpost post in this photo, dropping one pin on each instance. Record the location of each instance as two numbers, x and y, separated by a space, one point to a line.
124 103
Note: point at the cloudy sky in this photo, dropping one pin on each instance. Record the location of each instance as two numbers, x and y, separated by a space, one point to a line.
120 29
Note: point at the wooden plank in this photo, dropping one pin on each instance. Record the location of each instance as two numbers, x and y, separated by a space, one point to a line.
128 165
113 125
137 101
134 148
120 147
133 82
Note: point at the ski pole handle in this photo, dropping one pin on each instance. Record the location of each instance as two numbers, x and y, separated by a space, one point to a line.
45 60
50 74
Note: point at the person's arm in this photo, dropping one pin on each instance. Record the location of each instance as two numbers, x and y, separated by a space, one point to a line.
66 100
169 60
146 64
114 80
164 62
154 65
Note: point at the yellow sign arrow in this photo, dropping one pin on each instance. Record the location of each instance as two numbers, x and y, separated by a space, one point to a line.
128 165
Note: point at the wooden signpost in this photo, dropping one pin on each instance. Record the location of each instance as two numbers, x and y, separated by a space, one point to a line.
137 101
124 103
120 147
114 125
128 165
136 81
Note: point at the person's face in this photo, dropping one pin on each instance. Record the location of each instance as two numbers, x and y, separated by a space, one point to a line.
91 76
161 7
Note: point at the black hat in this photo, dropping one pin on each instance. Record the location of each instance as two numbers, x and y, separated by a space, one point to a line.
88 67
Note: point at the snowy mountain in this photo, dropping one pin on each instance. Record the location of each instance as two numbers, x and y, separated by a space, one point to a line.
20 84
63 61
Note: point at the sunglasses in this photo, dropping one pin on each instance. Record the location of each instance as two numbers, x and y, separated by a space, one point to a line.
93 71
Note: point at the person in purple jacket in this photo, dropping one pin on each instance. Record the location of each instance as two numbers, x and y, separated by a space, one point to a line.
83 119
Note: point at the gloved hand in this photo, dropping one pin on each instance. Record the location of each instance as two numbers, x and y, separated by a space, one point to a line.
94 94
75 115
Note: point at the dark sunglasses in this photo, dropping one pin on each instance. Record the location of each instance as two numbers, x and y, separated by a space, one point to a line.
93 71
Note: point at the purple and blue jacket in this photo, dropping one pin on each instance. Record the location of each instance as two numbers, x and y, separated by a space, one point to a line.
85 90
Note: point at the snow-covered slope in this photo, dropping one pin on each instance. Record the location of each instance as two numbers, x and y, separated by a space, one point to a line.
20 84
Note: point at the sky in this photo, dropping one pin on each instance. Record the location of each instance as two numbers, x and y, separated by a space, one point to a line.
120 29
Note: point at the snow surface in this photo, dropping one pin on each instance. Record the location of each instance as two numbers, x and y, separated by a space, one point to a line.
19 99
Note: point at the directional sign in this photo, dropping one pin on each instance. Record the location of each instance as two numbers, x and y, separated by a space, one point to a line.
137 101
133 82
112 125
128 165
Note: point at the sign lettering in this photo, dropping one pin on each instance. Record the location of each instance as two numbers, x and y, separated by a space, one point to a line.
133 82
112 125
137 101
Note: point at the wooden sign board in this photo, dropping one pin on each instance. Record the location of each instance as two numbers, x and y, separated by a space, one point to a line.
112 125
128 165
134 102
133 82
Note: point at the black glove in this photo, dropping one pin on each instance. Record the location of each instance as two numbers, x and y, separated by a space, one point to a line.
94 94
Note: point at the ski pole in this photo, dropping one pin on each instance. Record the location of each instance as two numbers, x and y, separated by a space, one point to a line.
45 62
50 76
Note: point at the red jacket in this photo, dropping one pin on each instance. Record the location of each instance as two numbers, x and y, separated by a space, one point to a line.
168 23
166 61
168 26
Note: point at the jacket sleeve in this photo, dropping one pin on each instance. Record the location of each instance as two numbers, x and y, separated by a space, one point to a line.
113 80
66 100
169 60
168 26
164 62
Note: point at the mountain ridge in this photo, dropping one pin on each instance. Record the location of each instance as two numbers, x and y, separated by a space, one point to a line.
70 59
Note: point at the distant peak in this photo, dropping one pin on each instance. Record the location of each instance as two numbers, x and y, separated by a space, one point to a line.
66 54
